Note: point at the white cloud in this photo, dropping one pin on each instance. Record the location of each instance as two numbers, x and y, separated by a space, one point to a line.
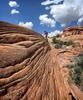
47 8
14 11
63 25
44 20
48 2
80 21
70 10
54 33
13 4
26 24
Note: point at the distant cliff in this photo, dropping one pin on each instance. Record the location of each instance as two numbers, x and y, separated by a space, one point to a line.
72 31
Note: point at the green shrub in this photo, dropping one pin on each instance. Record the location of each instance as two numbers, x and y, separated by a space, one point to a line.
75 75
68 43
59 43
58 46
58 35
76 70
54 39
79 61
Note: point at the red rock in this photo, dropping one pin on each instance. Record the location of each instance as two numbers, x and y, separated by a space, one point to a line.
72 31
29 70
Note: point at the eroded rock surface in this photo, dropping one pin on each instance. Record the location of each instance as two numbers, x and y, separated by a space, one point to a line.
73 31
29 68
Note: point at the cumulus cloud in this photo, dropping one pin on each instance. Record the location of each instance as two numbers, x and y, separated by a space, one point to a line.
54 33
47 8
44 20
13 4
63 25
14 11
68 11
80 21
47 2
26 24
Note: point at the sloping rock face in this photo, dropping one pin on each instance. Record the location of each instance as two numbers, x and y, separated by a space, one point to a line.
73 31
29 69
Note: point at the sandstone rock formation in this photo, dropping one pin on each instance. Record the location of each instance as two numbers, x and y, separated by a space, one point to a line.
73 31
29 67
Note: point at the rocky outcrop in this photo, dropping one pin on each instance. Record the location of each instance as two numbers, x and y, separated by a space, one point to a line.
29 68
72 31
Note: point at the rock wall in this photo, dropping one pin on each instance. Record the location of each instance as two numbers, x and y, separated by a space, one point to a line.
72 31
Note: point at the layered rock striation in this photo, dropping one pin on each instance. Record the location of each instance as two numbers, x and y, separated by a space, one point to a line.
29 68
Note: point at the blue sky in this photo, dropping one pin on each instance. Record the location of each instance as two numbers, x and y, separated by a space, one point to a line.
41 15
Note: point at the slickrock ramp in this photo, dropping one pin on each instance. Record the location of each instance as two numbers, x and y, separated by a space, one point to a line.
29 69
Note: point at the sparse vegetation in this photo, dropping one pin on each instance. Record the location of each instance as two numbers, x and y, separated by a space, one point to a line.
59 43
76 71
58 35
68 43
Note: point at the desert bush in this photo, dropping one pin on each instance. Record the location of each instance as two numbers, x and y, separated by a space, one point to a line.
58 35
76 70
54 39
75 74
59 43
68 43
